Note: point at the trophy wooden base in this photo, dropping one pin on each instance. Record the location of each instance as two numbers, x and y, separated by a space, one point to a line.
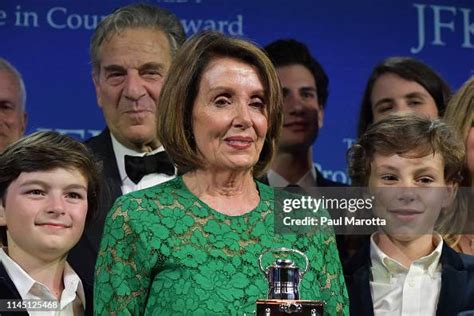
276 307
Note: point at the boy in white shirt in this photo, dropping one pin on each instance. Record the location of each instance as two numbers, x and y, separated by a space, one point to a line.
411 165
48 188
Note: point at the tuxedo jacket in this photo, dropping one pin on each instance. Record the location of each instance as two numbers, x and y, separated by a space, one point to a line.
9 291
83 256
457 282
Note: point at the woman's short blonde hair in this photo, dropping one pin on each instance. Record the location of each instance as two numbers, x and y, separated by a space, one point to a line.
181 88
460 116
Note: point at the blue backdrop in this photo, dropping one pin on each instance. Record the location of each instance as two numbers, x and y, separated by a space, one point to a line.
48 40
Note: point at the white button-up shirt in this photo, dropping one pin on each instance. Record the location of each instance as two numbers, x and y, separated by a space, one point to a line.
72 300
405 291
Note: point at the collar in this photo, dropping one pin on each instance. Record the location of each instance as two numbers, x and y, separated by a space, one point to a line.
73 285
24 282
120 152
307 180
380 261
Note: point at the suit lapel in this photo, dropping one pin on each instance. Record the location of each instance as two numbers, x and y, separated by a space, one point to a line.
454 280
357 273
7 288
8 291
320 180
101 147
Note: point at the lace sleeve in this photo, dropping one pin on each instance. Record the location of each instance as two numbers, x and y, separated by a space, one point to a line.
123 266
331 277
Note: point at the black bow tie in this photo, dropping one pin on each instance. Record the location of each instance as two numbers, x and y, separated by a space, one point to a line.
138 167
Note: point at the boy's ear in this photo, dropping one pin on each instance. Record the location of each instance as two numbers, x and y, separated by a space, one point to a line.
451 190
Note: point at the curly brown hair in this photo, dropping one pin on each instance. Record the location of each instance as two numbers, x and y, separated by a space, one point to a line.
403 134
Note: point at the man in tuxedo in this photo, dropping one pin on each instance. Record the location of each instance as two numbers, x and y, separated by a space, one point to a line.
131 51
13 116
305 91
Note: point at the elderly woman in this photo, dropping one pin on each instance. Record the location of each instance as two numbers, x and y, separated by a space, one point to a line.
190 246
402 84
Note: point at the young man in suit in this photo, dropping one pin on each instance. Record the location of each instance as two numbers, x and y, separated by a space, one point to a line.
305 92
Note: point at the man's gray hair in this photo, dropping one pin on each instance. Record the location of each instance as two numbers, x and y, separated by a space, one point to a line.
7 67
137 16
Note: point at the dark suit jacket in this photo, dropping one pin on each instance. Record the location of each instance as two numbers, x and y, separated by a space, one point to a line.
9 291
323 182
83 256
457 283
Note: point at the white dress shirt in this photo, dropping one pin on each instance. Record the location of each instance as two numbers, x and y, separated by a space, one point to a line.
398 290
306 181
148 180
72 300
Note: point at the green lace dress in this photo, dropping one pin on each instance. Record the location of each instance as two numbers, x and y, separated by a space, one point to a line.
165 252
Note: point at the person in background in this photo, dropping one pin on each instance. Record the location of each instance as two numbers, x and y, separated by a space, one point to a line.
49 187
131 52
460 115
305 92
402 84
13 116
190 246
406 268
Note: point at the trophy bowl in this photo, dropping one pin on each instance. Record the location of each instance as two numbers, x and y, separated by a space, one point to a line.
284 278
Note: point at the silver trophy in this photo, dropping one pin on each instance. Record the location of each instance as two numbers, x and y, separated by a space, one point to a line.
283 288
